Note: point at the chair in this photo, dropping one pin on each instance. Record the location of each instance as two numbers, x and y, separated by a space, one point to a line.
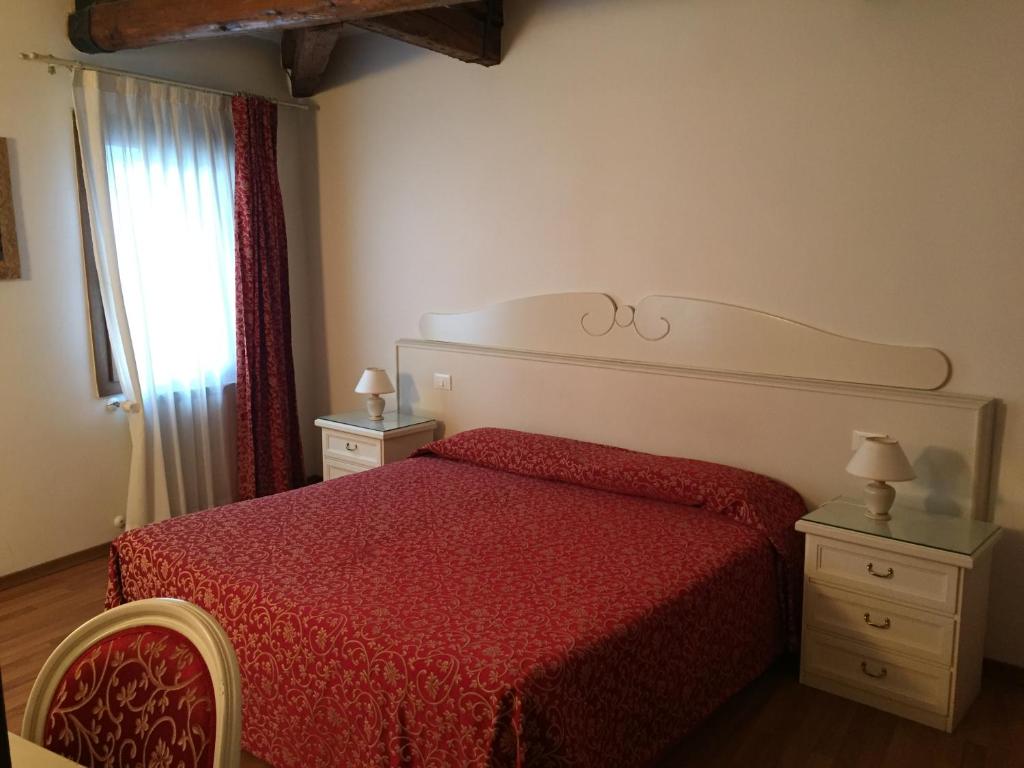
152 683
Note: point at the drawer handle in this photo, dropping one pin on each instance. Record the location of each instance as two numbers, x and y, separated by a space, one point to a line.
351 447
869 673
884 625
887 575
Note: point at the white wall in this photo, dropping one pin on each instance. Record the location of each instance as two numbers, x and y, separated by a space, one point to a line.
63 458
856 165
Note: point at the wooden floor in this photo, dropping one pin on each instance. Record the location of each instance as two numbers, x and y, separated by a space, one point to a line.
774 722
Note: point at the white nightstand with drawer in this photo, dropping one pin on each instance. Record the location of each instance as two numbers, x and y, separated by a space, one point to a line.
352 442
895 611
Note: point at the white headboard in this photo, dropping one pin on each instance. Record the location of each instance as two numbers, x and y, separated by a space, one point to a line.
693 378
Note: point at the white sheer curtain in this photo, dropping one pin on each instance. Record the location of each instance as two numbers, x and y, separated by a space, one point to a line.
158 163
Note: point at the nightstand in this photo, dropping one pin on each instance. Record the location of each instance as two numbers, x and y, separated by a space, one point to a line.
895 611
352 442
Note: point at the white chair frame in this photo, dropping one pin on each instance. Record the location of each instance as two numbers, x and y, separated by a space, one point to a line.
204 632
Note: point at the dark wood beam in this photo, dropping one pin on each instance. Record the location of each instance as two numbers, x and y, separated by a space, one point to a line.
470 32
114 25
305 54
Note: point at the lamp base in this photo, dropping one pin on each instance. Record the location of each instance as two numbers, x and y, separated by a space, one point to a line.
375 407
878 498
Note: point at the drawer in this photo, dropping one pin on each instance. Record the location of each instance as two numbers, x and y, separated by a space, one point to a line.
880 624
347 447
885 675
334 469
922 583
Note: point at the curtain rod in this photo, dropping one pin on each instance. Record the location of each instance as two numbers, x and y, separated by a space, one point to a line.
71 65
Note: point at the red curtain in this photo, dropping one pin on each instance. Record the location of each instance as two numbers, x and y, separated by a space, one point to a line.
269 450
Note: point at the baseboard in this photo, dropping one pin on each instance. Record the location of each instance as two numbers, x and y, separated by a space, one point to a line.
18 578
1010 672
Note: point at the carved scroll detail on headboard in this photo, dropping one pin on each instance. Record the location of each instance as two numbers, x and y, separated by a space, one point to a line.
688 333
624 317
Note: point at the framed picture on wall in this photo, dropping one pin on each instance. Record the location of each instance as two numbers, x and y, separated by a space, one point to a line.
10 263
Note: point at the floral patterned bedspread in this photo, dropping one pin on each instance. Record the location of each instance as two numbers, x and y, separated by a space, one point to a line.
503 599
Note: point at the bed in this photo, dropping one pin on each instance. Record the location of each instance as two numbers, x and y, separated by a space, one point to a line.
500 599
509 599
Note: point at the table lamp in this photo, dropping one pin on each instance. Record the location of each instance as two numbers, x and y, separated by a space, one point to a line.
375 382
879 459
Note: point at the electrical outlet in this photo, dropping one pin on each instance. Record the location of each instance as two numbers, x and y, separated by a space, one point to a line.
859 436
443 381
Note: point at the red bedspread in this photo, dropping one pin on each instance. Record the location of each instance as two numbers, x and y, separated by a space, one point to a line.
504 599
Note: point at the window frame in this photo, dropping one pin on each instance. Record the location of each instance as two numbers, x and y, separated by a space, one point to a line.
104 371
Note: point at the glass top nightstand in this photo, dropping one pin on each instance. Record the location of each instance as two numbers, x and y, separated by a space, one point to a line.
389 423
353 442
912 526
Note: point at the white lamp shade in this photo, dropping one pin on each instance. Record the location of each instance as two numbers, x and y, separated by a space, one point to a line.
880 458
374 381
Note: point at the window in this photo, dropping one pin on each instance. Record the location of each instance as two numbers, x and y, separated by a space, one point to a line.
173 229
176 259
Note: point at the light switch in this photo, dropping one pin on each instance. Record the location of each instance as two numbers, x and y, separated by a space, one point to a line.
443 381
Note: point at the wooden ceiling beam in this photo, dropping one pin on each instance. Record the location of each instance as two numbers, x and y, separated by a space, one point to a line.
470 32
305 54
113 25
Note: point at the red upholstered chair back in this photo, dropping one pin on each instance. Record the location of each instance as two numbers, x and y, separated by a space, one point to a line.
151 683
